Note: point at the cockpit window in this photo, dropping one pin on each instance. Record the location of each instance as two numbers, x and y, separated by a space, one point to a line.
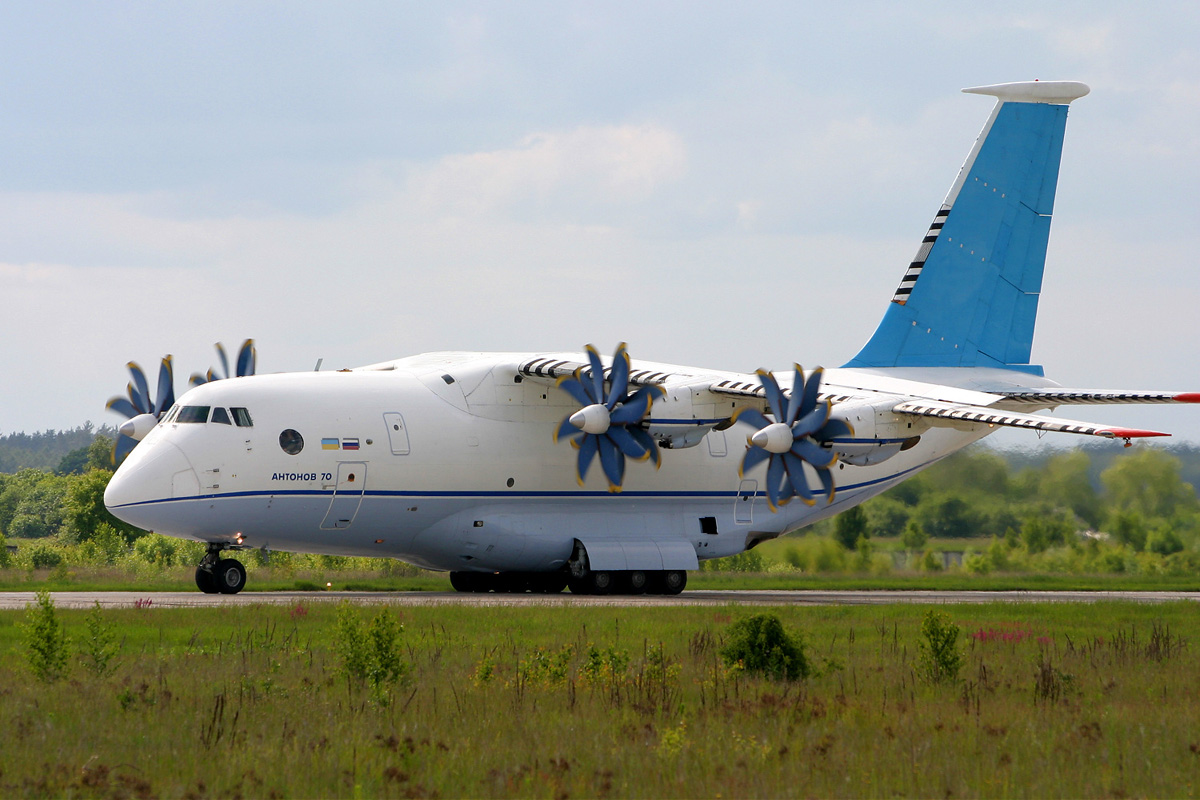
170 415
193 414
242 417
221 416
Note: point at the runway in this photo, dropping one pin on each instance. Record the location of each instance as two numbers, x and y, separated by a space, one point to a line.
816 597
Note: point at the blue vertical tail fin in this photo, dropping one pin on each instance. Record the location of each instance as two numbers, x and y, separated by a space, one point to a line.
969 298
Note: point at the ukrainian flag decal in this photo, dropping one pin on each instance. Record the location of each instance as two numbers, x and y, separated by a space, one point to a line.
330 444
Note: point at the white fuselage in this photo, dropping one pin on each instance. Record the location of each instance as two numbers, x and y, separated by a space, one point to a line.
448 461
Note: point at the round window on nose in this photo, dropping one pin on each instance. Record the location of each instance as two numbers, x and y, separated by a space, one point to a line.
291 441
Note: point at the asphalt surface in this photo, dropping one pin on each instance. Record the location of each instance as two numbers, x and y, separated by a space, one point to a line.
18 600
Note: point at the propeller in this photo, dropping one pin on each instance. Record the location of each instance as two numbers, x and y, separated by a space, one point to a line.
246 360
141 410
608 424
793 439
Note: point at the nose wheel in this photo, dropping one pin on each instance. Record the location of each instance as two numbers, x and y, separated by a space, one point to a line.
216 575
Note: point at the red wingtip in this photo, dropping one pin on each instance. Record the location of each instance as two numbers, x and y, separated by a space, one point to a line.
1132 433
1187 397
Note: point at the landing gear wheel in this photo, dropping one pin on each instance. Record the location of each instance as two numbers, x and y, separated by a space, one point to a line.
601 582
229 576
672 581
206 581
464 581
636 582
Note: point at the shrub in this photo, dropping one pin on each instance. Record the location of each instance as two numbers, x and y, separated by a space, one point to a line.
940 657
98 649
42 556
761 644
45 640
369 654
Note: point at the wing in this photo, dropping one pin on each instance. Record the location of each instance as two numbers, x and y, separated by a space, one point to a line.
951 413
1050 398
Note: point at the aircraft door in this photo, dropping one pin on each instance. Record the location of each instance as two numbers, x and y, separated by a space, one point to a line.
397 433
347 495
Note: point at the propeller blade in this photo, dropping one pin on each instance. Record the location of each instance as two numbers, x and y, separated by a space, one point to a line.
142 398
619 377
776 474
123 446
634 409
573 385
245 359
627 443
751 416
812 387
647 441
797 397
613 463
597 375
795 473
587 451
122 406
224 360
826 477
754 456
197 379
774 394
166 386
834 429
566 428
811 422
137 398
814 454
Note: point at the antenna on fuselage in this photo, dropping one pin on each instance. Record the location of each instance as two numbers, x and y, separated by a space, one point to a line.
317 368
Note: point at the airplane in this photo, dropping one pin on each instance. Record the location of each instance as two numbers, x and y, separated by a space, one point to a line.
484 465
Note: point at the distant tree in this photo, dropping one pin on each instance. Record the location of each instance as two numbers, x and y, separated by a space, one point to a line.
85 512
73 463
915 537
850 526
950 517
100 453
887 516
1064 482
1148 482
1129 528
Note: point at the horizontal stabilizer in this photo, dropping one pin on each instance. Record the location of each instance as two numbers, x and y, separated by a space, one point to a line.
983 415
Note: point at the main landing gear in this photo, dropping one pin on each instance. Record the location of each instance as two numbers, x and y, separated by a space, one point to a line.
217 575
622 582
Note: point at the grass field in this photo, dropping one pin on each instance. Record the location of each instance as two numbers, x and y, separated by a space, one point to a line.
1052 700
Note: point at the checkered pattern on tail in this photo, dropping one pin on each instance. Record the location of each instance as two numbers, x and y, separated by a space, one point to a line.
918 263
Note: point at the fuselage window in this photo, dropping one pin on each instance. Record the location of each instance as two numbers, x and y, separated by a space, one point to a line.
221 416
194 414
241 416
291 441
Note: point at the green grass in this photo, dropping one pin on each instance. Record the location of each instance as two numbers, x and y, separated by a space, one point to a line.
1053 700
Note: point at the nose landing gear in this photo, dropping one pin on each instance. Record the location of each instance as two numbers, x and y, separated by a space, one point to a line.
216 575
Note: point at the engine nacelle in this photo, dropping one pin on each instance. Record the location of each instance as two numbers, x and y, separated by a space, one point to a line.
685 414
879 433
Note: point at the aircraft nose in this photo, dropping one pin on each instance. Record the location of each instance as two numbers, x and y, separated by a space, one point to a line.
149 476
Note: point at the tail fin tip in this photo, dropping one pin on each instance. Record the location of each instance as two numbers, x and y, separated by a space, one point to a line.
1053 92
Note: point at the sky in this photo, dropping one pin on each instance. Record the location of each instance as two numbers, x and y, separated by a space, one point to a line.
728 186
